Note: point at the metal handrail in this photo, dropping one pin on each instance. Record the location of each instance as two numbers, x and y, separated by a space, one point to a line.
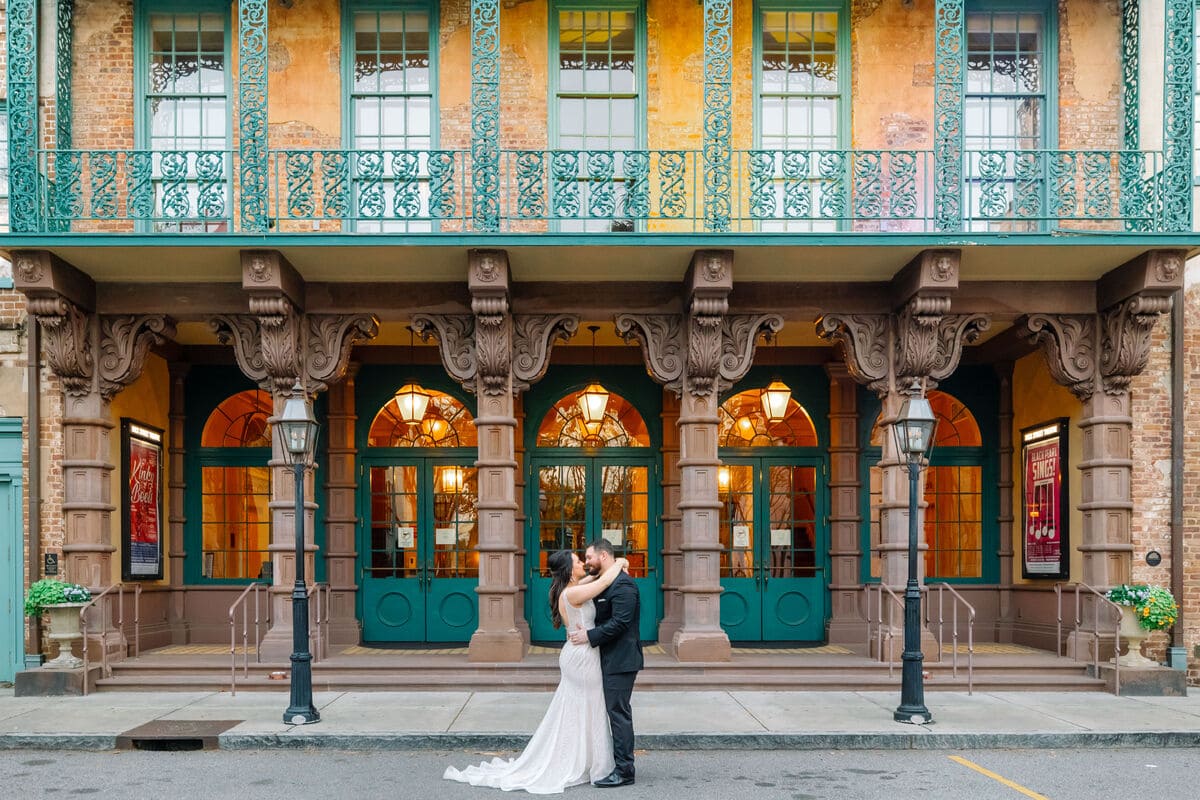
255 587
958 600
890 636
104 619
1058 587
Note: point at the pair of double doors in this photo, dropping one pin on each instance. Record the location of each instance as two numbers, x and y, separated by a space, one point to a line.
774 541
418 546
578 499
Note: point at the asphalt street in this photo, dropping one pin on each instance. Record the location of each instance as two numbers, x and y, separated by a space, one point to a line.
662 775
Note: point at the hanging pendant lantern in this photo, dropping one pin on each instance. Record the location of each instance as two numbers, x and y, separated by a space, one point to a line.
593 403
775 400
412 401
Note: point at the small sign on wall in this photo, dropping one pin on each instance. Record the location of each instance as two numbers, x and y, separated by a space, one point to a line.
445 537
141 501
781 537
1044 511
406 537
614 536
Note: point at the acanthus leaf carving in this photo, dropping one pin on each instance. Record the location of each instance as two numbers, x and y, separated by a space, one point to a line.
533 337
661 339
704 353
493 352
739 335
1125 339
68 337
954 331
330 339
864 342
1069 343
241 332
124 341
455 334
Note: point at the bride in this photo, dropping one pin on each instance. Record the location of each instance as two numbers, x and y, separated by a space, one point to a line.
573 743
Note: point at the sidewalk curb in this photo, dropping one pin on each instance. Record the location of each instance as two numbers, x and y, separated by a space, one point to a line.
925 740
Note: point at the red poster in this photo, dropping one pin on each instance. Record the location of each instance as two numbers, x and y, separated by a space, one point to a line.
1045 514
142 557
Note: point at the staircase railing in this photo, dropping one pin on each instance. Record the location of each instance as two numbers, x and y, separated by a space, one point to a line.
875 623
105 620
957 601
1095 631
262 617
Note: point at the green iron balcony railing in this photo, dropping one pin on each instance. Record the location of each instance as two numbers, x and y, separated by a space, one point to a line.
600 191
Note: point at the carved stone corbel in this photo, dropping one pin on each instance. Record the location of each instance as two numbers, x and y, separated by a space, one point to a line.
455 335
125 340
67 337
739 333
864 344
661 339
1125 339
330 339
534 336
1069 343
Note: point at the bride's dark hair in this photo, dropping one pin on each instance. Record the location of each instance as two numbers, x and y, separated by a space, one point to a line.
561 565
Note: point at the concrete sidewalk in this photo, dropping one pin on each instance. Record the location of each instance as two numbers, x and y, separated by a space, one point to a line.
664 720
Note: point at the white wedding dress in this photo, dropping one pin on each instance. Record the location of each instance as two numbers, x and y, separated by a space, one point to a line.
573 743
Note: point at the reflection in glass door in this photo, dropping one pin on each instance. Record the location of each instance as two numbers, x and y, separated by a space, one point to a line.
772 539
420 574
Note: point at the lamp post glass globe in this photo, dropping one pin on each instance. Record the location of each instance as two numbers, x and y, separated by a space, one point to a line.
298 431
913 428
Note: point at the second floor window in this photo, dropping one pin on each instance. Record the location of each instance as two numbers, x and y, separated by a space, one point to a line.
185 116
799 96
391 119
596 112
1006 115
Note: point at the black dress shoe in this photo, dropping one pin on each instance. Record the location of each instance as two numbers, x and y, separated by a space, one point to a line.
614 778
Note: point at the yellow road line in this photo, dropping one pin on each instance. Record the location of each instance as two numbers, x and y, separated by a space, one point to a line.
1014 786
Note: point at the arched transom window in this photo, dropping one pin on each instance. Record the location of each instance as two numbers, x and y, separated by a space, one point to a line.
621 426
239 421
446 423
744 424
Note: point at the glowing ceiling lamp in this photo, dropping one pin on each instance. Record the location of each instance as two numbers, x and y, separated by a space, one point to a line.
412 401
593 401
775 399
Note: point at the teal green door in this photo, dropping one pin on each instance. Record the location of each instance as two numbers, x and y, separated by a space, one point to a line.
577 499
12 551
774 541
418 551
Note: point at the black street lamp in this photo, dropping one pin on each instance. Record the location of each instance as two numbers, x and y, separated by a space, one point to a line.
913 430
297 430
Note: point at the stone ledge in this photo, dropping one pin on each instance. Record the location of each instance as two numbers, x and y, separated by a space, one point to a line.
1149 682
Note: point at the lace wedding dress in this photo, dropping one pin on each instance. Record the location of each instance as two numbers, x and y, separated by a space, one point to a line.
573 743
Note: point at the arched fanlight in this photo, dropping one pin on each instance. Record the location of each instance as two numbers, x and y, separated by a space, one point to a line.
412 400
435 428
593 401
745 428
775 400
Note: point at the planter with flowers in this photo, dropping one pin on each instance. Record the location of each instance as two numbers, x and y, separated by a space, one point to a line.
1144 609
62 601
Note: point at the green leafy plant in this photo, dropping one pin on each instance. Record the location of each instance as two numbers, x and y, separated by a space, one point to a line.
1154 606
52 592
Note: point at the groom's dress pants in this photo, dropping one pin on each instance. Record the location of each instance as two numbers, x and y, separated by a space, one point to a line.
618 691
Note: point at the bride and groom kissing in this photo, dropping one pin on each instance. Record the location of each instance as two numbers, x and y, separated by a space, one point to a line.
587 732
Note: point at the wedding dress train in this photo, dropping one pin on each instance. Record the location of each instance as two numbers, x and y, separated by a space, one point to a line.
573 743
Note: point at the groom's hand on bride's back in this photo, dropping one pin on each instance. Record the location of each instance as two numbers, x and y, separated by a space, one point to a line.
578 635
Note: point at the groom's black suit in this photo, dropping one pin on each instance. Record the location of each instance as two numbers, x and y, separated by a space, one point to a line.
616 634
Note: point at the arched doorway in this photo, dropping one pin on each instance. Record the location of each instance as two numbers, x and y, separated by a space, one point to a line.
774 537
418 562
591 481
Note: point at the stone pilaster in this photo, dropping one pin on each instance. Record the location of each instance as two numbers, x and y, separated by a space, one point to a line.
1005 616
522 511
696 354
672 523
341 518
177 495
496 354
277 345
848 621
1096 356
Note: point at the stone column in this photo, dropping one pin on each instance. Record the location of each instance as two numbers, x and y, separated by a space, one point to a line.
848 621
341 516
900 354
277 345
95 356
521 517
672 523
1004 519
696 354
177 496
496 354
1096 356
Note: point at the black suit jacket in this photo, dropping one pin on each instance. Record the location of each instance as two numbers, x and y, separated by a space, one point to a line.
618 609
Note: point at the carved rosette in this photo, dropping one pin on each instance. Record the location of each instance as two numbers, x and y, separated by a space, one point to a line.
67 333
1125 339
455 335
124 342
1069 343
533 337
864 341
661 340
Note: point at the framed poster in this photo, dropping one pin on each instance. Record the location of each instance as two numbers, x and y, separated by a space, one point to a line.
141 501
1045 543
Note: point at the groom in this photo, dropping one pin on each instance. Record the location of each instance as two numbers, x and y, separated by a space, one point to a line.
616 634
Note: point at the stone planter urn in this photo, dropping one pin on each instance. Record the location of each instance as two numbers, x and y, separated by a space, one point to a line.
64 629
1134 634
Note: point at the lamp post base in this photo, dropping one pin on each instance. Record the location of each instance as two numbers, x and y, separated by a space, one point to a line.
301 716
914 715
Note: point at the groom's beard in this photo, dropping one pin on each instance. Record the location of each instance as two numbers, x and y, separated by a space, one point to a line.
592 570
